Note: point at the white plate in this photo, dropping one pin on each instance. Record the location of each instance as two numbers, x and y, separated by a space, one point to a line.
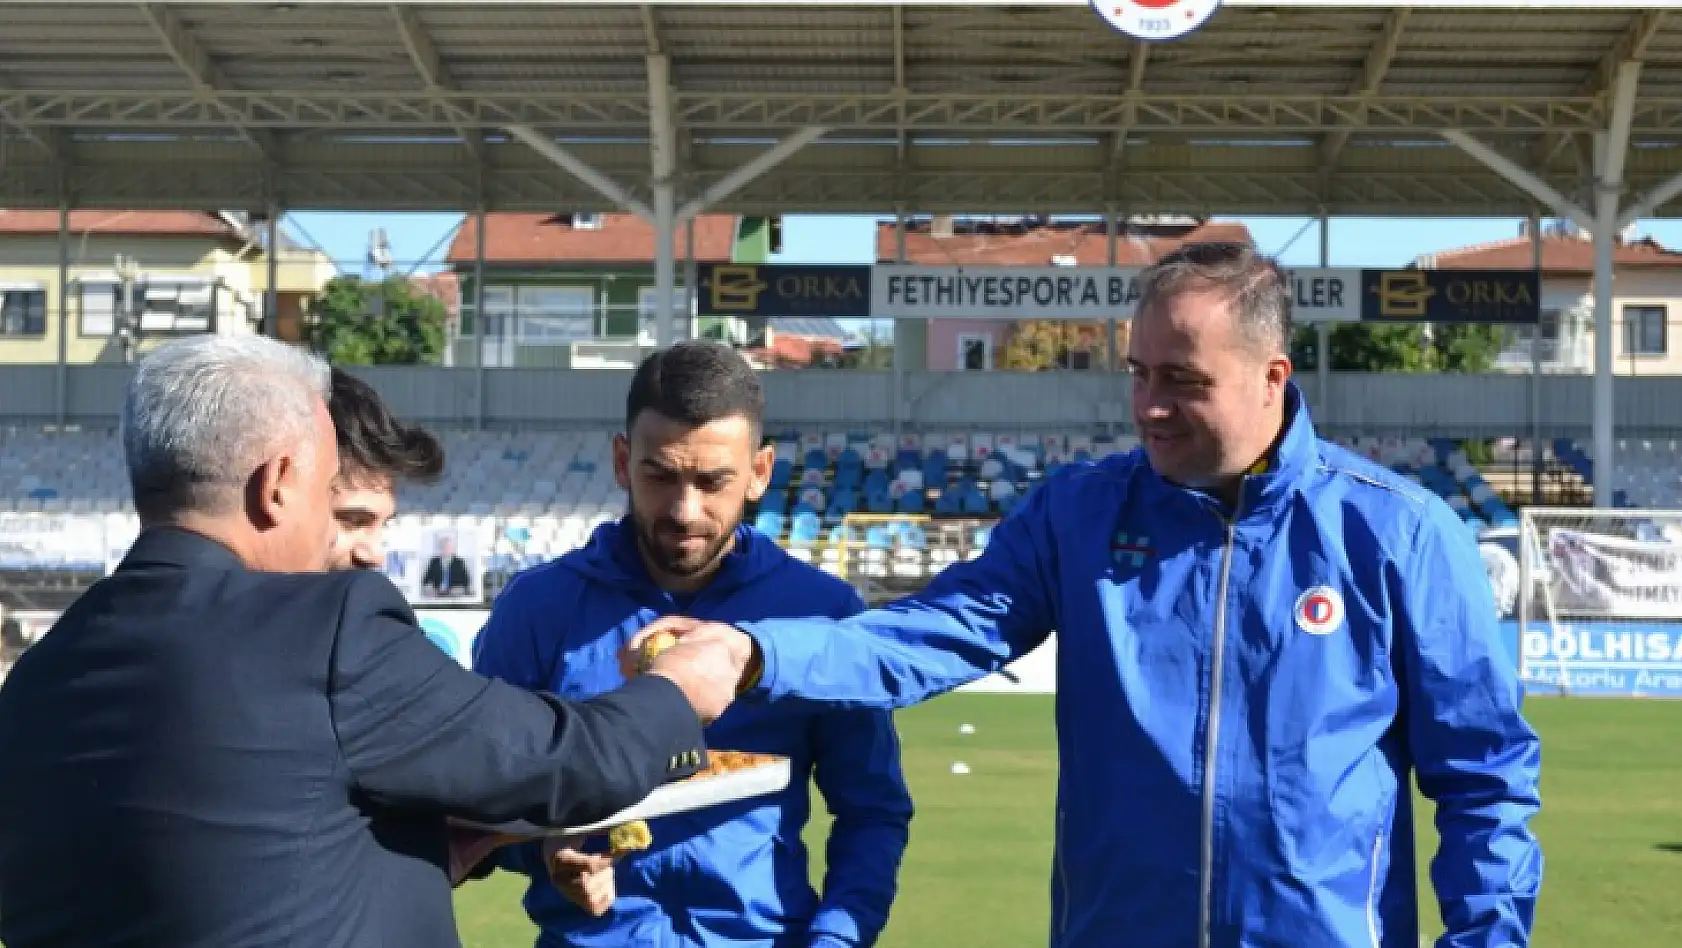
696 793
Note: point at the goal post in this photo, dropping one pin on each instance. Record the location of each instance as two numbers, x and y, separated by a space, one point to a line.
1599 600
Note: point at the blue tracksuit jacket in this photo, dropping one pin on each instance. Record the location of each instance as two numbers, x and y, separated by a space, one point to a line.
733 875
1240 701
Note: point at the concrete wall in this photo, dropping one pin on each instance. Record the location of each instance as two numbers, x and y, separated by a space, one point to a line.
1464 406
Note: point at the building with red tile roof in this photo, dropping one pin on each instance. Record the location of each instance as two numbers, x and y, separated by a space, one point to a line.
195 271
1646 300
557 279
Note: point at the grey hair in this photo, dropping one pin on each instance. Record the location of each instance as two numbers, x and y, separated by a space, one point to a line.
203 413
1258 288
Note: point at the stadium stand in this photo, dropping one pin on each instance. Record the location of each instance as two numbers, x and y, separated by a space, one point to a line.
834 498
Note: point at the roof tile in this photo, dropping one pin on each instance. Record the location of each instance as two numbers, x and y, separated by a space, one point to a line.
512 238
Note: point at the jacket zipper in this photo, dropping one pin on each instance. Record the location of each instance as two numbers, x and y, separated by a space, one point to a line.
1372 890
1211 743
1062 881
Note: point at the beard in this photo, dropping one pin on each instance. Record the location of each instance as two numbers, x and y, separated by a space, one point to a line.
659 539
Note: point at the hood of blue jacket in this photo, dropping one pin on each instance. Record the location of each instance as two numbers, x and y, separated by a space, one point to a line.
611 556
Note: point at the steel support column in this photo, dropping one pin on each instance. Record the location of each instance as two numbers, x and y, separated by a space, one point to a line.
1536 453
899 336
1323 330
479 320
1605 240
61 379
691 276
271 296
662 143
1111 235
1611 148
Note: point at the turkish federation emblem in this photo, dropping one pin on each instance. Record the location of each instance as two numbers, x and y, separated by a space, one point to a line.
1156 19
1319 610
1129 549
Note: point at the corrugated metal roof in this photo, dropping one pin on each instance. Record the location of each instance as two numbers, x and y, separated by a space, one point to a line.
382 106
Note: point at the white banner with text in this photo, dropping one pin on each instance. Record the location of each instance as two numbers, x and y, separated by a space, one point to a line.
1319 294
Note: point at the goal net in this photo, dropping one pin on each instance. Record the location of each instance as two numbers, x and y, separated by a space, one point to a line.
1597 595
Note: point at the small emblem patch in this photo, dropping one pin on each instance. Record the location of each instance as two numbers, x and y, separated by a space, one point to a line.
1319 610
1129 549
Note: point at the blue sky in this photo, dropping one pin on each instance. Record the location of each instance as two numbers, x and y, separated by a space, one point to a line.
1373 242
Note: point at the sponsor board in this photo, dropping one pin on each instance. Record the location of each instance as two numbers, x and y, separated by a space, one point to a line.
771 290
1319 294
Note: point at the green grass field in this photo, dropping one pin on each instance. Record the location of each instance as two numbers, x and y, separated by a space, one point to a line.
1611 828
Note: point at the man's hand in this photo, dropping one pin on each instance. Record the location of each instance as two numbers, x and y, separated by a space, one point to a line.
585 880
710 662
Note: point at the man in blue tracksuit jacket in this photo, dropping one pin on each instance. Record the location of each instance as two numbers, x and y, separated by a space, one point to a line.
1260 637
733 875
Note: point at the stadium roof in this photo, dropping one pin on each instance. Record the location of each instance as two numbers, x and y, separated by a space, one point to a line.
953 107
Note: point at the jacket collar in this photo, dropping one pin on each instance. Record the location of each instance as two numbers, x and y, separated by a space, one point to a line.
612 557
179 547
1277 475
1293 458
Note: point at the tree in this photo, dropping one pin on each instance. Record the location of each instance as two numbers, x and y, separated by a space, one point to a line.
387 323
1466 348
1410 347
1046 345
1031 346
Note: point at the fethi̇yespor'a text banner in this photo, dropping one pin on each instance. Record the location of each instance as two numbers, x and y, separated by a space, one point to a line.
1319 294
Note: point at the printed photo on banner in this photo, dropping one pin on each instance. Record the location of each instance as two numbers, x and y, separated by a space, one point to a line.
437 564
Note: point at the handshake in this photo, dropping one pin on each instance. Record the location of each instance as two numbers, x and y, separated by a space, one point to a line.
710 662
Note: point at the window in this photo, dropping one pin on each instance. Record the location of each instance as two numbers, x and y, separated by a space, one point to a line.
1644 330
177 307
99 308
975 353
554 315
23 311
647 313
161 306
497 346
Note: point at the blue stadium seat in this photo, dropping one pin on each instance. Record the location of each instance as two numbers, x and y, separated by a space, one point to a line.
770 524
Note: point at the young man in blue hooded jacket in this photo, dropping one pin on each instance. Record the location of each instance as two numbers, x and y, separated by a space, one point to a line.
1261 638
736 875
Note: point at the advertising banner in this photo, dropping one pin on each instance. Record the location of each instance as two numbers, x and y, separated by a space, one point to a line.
1319 294
1597 575
1622 659
1511 297
772 290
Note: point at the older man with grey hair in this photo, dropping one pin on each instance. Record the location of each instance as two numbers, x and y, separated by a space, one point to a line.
221 744
1261 638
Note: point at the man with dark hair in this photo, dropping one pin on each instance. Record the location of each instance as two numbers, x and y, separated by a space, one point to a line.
376 453
736 875
1261 638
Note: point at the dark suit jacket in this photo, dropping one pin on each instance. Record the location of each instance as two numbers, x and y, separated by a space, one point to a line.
202 756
